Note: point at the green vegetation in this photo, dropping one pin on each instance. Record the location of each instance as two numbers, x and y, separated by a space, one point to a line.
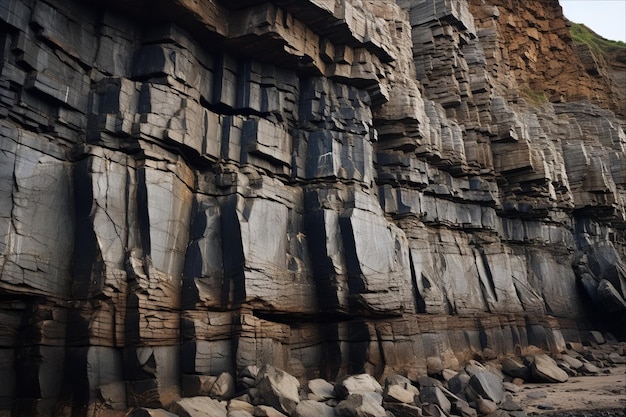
534 97
582 34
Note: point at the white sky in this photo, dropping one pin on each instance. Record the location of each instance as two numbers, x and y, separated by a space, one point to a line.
606 17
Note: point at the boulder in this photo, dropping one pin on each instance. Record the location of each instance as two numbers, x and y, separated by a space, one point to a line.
611 301
616 358
266 411
278 389
426 381
515 368
596 337
485 407
247 376
356 384
402 381
398 394
467 411
433 410
434 365
434 395
224 387
239 405
319 389
448 374
310 408
487 386
589 369
458 383
113 395
509 404
199 407
510 387
474 367
564 366
367 404
403 410
572 362
544 369
220 387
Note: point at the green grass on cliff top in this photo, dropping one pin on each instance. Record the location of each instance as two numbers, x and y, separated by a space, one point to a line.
582 34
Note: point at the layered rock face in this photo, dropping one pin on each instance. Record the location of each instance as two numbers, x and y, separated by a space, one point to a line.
329 187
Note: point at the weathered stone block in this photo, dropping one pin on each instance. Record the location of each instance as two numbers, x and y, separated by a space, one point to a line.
377 262
152 376
268 140
38 232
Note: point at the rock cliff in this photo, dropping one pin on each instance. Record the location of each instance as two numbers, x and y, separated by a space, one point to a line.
328 186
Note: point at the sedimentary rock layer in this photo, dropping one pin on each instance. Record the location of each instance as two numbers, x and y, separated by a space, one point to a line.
331 187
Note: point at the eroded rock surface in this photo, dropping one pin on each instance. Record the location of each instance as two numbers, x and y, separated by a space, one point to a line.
329 187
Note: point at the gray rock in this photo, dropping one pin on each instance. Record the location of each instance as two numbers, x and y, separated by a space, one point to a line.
220 387
403 410
467 411
564 366
596 337
535 395
240 405
434 365
395 393
448 374
458 383
433 410
545 369
487 386
199 407
356 384
114 395
474 367
515 369
510 405
458 403
309 408
589 369
278 388
616 359
248 375
401 381
367 404
319 389
485 407
381 282
610 299
434 395
510 387
267 411
426 381
571 361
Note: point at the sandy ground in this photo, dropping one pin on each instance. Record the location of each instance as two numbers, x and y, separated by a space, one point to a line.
582 393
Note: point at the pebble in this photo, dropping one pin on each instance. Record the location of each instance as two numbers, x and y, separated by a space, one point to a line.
536 395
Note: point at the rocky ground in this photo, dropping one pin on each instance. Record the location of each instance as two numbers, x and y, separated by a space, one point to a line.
581 381
577 396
